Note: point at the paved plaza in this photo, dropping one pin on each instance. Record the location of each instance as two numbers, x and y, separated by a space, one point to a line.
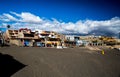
69 62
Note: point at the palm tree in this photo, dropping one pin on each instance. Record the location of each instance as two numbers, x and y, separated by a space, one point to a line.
8 26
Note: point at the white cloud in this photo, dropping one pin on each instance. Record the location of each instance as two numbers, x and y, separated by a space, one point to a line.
7 17
28 17
29 20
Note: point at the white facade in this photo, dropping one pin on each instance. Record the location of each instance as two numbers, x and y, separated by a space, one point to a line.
69 38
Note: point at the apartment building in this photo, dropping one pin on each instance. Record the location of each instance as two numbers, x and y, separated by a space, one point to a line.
12 36
71 40
50 38
92 40
25 37
20 37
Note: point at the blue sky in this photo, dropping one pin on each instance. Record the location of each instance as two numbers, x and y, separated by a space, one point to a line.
65 10
101 17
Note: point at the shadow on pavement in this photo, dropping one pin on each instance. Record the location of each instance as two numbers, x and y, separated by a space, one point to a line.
9 66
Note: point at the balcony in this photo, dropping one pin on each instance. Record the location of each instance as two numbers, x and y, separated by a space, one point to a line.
10 31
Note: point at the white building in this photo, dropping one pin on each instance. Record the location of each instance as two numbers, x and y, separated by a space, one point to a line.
72 38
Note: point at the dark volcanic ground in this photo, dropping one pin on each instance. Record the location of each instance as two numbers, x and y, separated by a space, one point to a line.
71 62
